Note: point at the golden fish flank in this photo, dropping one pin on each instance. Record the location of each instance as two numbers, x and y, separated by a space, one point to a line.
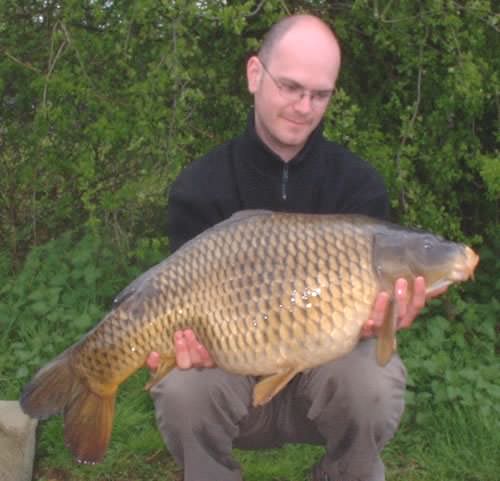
269 294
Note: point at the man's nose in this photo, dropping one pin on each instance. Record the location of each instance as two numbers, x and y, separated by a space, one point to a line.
304 104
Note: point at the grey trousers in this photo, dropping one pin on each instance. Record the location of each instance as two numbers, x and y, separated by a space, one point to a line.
352 406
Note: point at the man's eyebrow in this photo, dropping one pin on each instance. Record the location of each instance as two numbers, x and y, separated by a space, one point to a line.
290 81
294 83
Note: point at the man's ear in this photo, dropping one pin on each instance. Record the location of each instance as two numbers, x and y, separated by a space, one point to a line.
254 73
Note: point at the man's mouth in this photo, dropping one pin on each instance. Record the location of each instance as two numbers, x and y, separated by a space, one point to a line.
300 123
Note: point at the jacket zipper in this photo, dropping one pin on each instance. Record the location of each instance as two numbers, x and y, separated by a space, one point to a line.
284 182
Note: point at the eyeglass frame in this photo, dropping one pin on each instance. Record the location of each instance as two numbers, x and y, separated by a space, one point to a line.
316 97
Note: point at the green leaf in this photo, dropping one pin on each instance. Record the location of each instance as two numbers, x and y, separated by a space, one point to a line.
40 307
22 372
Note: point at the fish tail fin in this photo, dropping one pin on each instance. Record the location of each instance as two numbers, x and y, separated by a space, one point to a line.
88 416
386 341
88 422
51 389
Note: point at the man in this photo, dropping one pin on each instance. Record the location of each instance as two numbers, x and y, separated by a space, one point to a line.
282 162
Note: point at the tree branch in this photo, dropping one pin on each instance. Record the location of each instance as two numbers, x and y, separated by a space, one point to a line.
52 62
18 61
402 196
78 56
257 9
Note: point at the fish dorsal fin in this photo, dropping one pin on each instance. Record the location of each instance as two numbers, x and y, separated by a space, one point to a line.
136 285
241 216
246 214
140 282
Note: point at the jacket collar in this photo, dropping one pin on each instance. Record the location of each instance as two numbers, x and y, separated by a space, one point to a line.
262 157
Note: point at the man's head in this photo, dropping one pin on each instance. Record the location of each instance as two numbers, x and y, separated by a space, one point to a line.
291 79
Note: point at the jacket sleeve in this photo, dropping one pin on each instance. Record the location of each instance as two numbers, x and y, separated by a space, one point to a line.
188 211
369 197
202 195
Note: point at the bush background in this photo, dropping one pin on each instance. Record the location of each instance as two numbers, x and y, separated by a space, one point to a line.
102 103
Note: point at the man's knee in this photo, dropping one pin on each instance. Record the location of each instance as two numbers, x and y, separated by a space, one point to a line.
357 385
190 397
180 392
366 380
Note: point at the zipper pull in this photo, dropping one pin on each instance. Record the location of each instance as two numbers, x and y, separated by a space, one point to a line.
284 182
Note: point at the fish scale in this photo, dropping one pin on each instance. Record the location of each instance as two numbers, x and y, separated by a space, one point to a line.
268 294
293 322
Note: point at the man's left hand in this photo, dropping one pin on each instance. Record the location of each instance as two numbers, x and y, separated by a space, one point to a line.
408 309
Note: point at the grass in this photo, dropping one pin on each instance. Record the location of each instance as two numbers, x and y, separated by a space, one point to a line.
455 445
452 445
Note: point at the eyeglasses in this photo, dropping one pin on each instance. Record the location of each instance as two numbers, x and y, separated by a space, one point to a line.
294 92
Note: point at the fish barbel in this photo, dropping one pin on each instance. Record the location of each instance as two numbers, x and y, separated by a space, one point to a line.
268 294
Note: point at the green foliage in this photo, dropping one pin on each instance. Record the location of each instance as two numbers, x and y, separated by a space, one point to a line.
100 117
103 103
63 290
452 351
423 84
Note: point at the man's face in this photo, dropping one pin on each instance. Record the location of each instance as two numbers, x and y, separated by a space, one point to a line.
303 59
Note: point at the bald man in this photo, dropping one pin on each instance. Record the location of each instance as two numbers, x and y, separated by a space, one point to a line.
282 162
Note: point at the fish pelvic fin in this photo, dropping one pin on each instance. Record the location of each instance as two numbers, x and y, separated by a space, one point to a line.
386 342
167 363
270 386
88 416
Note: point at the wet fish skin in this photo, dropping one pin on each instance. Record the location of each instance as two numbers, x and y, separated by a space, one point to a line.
268 294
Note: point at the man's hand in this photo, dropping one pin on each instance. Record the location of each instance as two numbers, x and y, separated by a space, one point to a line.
188 352
408 309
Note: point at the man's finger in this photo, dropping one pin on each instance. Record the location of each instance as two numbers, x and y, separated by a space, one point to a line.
153 361
378 313
419 294
401 297
192 347
189 335
206 358
368 329
182 355
415 304
194 354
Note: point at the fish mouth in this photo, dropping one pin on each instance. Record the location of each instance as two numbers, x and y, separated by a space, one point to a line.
463 271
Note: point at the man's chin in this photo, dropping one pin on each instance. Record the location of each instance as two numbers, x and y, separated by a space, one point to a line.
296 134
294 140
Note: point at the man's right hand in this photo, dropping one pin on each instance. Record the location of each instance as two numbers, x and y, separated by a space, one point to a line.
189 352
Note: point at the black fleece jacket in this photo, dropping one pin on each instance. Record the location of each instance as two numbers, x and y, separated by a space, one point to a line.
245 174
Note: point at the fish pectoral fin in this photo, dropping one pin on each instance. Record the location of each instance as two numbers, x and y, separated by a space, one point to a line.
167 363
386 342
271 385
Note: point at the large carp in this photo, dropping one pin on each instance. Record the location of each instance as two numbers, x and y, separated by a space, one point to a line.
268 294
